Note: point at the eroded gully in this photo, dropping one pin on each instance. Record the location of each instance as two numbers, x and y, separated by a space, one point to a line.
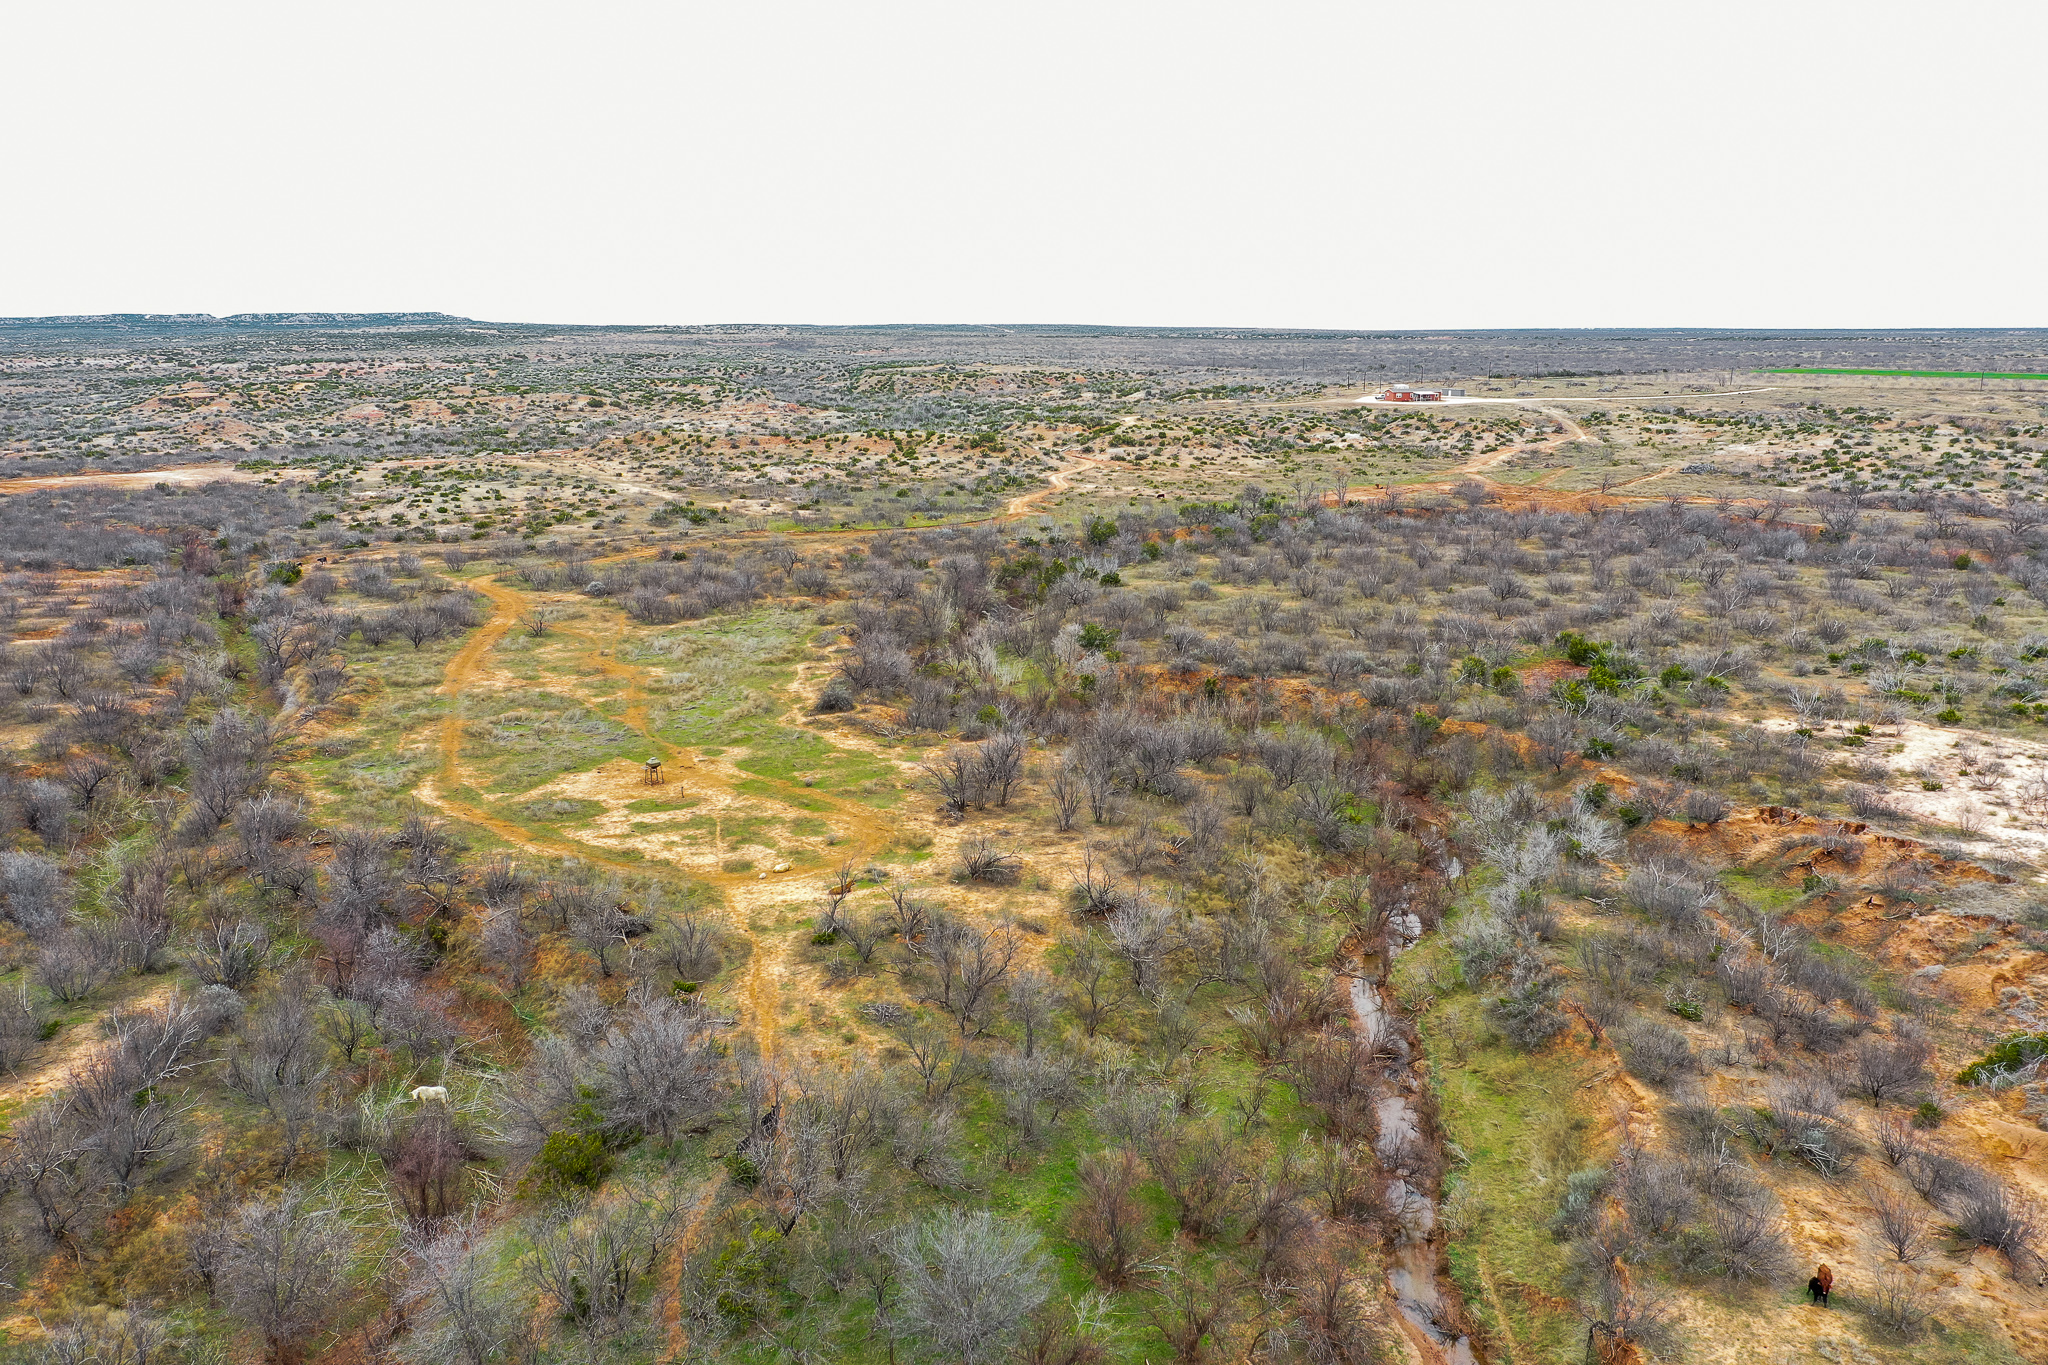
1415 1268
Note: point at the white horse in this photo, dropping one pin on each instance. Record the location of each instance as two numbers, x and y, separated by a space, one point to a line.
423 1093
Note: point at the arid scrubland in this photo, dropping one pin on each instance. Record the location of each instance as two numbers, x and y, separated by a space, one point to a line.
573 867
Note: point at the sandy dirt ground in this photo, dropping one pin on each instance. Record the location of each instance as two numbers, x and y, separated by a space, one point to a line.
48 1070
1995 785
182 476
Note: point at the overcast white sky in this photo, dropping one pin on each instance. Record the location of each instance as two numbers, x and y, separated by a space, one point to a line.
1350 165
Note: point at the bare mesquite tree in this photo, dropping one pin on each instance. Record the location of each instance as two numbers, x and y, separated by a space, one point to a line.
967 1283
283 1268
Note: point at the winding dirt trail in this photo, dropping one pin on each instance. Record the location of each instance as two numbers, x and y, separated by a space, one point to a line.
863 831
1476 466
1021 505
79 1043
1646 478
1537 490
679 1256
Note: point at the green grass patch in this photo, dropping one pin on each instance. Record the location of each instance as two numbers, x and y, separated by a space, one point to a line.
1511 1116
377 769
526 737
787 755
731 829
1036 1184
774 791
1767 894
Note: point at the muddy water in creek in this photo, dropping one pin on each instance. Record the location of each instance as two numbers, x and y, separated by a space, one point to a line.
1415 1270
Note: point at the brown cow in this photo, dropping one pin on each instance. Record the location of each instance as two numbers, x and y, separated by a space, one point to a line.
1822 1283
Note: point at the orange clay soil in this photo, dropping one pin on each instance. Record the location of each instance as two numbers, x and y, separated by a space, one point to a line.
1835 1221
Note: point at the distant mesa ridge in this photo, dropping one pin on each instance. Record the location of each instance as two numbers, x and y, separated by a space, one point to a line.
235 319
1781 346
296 319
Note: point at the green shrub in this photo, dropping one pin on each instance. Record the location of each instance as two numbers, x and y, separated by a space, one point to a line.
1577 648
1584 1192
742 1171
1928 1114
1527 1013
2013 1051
430 938
749 1271
570 1161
